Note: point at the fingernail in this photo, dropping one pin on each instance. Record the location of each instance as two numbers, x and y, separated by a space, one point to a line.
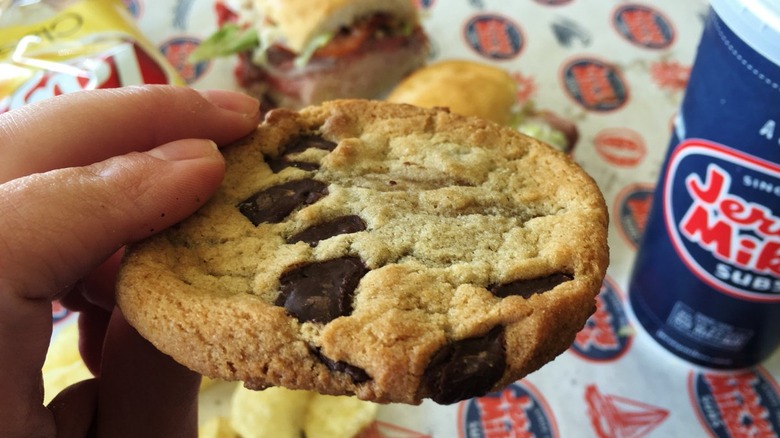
184 150
233 101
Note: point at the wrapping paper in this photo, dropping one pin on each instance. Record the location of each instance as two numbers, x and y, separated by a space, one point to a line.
617 69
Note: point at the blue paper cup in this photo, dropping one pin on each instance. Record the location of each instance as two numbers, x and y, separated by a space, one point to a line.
706 280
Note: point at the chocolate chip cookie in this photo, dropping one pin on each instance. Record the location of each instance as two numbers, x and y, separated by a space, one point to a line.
376 249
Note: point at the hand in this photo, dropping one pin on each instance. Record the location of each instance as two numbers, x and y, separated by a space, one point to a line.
81 175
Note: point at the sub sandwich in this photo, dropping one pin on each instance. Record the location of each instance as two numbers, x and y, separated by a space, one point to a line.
302 52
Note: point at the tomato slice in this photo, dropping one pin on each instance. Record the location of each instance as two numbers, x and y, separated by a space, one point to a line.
344 43
350 40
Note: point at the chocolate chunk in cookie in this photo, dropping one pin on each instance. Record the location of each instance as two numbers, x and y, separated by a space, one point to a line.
341 225
298 145
529 287
323 291
466 368
275 203
357 374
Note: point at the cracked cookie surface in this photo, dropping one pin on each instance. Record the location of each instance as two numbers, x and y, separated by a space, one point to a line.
376 249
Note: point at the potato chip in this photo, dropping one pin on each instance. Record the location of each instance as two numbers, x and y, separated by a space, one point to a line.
63 366
274 412
338 416
206 383
64 348
271 413
217 427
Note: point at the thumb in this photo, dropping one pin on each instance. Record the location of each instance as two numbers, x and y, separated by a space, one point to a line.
56 226
67 221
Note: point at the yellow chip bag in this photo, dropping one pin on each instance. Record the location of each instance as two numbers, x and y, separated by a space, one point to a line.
52 47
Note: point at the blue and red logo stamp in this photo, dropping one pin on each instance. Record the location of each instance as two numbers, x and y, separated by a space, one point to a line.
643 26
177 51
595 85
607 334
632 208
494 36
736 405
517 410
722 220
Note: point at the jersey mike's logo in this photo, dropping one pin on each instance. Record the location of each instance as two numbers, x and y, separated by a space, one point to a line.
607 334
736 405
643 26
494 36
719 208
518 410
595 85
177 51
633 207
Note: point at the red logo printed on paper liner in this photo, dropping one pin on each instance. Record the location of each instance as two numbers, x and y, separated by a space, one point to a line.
594 84
494 36
518 410
613 416
670 75
526 87
622 147
607 334
736 405
644 26
632 208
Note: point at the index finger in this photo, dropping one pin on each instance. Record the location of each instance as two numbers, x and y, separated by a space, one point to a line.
86 127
